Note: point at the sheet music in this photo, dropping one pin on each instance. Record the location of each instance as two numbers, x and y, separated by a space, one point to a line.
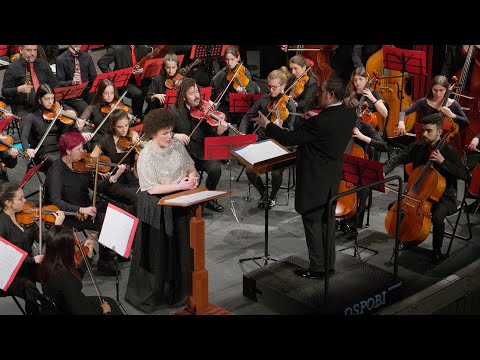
194 198
10 259
261 151
118 230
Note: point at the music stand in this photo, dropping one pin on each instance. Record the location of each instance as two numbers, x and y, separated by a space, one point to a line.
90 47
241 103
171 96
70 92
4 122
152 68
198 303
361 172
208 52
219 148
119 78
28 175
264 167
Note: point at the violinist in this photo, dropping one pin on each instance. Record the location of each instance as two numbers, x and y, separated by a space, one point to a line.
62 280
9 158
122 185
242 83
22 79
160 274
157 91
36 124
446 162
358 88
12 201
305 92
188 96
74 67
69 191
125 56
432 104
277 81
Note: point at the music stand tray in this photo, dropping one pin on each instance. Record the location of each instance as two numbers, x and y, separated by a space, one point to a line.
241 103
70 92
198 303
119 78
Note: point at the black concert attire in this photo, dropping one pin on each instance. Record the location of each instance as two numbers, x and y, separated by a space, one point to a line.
34 126
246 126
306 99
9 162
15 77
69 191
27 274
361 53
66 71
125 189
94 114
371 105
418 153
472 158
452 60
321 142
184 124
121 56
156 87
51 53
341 62
65 289
219 84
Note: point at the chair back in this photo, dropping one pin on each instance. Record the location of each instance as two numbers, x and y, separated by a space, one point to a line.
474 187
39 304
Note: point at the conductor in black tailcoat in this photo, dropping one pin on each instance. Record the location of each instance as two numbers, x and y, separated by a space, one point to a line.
321 143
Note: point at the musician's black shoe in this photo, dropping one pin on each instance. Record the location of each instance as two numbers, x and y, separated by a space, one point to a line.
438 257
309 274
106 268
214 206
472 208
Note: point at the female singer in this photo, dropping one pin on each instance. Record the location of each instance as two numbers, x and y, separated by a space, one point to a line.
35 125
305 99
220 82
125 189
160 270
157 91
62 280
277 81
433 104
12 201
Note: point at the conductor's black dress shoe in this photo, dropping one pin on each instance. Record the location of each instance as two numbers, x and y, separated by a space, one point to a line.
309 274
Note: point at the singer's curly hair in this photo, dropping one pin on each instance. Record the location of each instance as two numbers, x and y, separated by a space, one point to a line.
156 120
186 84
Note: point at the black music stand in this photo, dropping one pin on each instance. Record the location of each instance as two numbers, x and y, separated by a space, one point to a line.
264 167
209 53
361 172
171 96
411 61
70 92
119 78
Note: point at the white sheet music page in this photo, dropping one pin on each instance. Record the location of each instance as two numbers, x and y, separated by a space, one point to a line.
261 151
194 198
11 257
118 230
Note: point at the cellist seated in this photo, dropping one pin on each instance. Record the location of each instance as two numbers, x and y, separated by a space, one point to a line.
446 162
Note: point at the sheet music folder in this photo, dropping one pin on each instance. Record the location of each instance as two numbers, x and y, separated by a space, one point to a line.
196 197
270 155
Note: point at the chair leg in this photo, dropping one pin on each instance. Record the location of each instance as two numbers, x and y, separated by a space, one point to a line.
18 304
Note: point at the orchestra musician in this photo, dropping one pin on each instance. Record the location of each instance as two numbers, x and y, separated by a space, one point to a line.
9 158
62 280
277 81
12 201
69 191
161 268
125 56
446 162
188 96
74 67
321 142
22 79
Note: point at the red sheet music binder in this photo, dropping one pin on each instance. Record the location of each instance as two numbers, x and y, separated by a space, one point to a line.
70 92
118 77
171 96
152 68
241 103
17 267
30 173
218 147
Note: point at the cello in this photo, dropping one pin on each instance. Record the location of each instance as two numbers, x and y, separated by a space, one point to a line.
389 89
424 185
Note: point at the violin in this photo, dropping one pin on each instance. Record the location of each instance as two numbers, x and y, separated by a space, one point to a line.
66 116
29 215
126 142
299 86
3 111
106 107
241 78
425 185
448 121
278 107
205 112
176 80
81 250
6 142
88 163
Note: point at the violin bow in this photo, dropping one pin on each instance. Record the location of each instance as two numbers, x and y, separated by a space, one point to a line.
210 107
95 186
108 115
128 152
48 129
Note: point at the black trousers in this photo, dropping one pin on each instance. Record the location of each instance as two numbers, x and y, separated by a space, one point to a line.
213 170
125 195
276 178
362 197
315 224
138 96
439 212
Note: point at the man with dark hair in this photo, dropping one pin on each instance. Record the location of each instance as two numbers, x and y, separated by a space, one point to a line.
446 161
321 141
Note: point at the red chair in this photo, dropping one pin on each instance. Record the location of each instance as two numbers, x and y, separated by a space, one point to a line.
138 128
4 123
